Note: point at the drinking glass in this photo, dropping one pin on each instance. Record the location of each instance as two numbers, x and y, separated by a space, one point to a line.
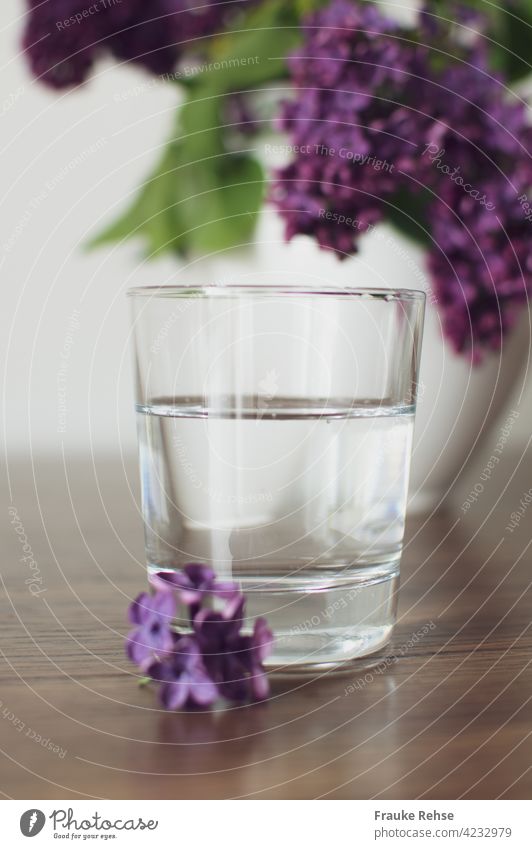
275 430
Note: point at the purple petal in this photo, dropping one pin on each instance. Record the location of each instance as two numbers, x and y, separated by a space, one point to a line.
187 652
211 630
164 604
137 609
231 678
144 642
190 596
225 589
233 611
147 607
160 671
202 690
167 581
260 686
262 640
137 650
173 695
198 574
162 642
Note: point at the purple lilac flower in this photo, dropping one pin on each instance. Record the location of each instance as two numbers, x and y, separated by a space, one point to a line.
63 40
216 659
234 661
480 267
368 91
152 614
349 75
183 677
481 258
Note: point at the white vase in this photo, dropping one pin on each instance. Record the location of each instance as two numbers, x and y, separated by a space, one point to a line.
457 403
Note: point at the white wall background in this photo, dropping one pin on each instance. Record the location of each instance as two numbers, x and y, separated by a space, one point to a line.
68 163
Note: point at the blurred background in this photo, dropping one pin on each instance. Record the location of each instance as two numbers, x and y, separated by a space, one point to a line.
71 161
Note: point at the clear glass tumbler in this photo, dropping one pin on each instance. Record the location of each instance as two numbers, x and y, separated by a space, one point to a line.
275 431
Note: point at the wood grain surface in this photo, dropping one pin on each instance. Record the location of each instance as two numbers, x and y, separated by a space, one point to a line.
447 715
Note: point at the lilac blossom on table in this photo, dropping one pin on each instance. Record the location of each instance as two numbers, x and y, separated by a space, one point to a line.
214 659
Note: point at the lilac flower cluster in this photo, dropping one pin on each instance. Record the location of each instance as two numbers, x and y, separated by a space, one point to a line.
214 659
368 90
63 38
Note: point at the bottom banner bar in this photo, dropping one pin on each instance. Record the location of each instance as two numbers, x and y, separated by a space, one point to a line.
267 823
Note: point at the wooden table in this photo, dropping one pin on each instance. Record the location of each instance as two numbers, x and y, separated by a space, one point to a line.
447 716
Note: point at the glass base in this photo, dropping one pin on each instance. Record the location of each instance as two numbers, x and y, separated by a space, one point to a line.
324 623
327 627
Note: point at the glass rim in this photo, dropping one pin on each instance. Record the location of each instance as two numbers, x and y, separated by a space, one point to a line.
227 290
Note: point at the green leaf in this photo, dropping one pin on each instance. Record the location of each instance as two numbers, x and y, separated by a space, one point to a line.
407 212
305 7
224 201
509 33
221 192
255 52
513 37
153 214
200 198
